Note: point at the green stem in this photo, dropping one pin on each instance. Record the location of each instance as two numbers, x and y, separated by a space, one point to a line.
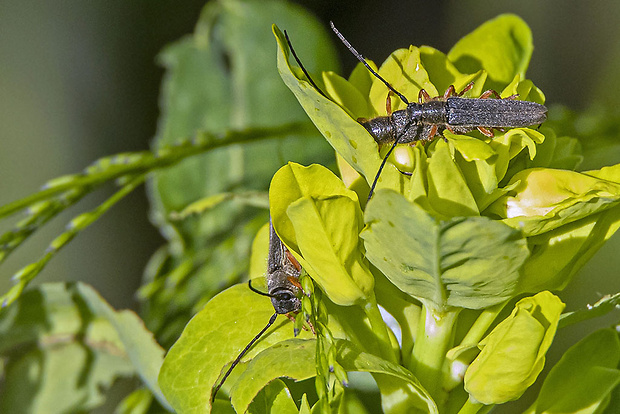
434 338
79 223
474 407
482 324
380 329
600 308
145 161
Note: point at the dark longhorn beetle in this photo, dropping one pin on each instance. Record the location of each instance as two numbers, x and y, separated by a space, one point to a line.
428 117
283 288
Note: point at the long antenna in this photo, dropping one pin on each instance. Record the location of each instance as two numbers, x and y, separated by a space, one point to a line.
246 349
290 45
257 291
374 183
361 59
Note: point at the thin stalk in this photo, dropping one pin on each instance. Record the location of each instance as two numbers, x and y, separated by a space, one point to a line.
79 223
474 407
141 162
380 329
482 324
434 338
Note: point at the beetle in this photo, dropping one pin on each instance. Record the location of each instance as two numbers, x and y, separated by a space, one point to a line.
428 117
283 288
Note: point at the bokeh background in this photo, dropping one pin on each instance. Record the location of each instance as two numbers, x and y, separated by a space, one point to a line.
80 80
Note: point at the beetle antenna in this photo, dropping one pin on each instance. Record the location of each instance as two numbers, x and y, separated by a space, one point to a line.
246 349
361 59
256 290
374 183
290 45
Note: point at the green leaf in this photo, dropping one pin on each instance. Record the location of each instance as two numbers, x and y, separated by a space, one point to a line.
318 218
502 47
294 358
274 398
582 381
68 331
470 262
213 339
513 354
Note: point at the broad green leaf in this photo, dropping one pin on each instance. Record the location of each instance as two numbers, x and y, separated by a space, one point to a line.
326 220
274 398
513 354
470 262
345 134
501 46
68 331
293 358
582 381
211 340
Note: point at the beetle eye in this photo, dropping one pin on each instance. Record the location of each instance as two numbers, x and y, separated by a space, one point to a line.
286 296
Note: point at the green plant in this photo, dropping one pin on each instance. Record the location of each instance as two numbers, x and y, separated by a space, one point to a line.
463 254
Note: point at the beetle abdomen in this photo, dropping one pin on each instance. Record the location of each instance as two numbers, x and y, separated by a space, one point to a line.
494 113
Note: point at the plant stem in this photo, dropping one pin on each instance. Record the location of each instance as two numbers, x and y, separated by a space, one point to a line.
434 338
380 329
480 327
474 407
141 162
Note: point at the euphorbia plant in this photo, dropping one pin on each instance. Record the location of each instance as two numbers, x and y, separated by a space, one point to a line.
463 252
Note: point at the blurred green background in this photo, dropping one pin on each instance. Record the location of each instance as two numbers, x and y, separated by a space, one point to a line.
79 81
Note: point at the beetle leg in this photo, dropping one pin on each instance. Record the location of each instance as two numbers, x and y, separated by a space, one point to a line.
423 96
490 92
486 131
432 132
388 103
515 96
449 92
466 88
293 261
